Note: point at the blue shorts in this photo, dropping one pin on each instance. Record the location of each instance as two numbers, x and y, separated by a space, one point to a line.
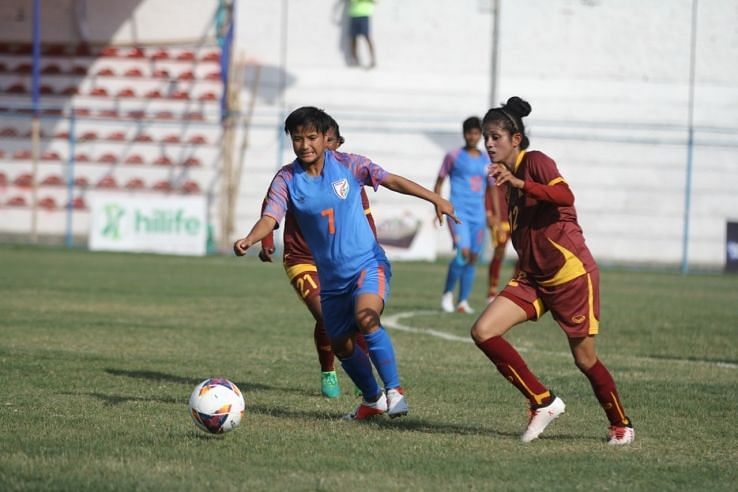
338 309
359 26
468 235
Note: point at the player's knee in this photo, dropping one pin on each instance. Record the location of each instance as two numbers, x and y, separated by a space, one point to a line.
367 321
484 330
585 361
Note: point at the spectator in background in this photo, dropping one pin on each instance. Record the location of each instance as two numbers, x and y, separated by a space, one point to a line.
359 12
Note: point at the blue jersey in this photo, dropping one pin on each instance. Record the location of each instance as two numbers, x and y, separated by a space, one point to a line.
330 214
469 180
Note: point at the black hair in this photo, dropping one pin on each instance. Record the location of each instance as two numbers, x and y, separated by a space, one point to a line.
472 123
308 117
334 125
509 116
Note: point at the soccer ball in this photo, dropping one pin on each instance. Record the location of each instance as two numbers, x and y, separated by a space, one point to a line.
217 405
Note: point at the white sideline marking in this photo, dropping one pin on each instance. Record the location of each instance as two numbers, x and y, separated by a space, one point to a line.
393 322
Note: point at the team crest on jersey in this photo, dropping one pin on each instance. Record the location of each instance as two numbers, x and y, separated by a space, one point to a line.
341 187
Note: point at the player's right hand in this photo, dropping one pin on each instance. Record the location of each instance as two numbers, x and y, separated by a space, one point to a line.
241 246
265 254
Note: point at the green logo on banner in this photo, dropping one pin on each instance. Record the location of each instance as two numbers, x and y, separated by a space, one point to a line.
113 214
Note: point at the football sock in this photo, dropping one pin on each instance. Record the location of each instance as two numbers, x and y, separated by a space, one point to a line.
467 281
361 342
323 346
383 356
494 273
606 393
455 269
359 368
513 367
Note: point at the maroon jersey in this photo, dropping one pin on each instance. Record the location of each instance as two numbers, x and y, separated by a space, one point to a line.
546 234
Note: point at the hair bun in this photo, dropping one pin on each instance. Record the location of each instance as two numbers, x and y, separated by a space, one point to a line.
519 106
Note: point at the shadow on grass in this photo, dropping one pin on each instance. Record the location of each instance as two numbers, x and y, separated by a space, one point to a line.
112 400
192 382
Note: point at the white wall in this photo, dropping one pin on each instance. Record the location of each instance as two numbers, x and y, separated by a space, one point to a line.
608 81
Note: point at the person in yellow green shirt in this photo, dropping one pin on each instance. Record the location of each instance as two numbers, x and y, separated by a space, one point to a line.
359 12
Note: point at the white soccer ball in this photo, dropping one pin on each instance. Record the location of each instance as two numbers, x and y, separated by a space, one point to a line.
217 405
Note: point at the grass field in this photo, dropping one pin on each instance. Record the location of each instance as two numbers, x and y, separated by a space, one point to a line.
99 353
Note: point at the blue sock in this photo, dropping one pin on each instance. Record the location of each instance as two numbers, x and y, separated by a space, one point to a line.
359 369
383 356
467 281
455 269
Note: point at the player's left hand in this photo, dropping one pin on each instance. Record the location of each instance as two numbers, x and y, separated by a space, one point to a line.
503 175
444 207
241 246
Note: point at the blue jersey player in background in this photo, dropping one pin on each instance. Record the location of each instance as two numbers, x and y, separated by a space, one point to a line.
321 188
467 168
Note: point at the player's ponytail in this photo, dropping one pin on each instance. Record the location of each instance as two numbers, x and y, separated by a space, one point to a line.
510 117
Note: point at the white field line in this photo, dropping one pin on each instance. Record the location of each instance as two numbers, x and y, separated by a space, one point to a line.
394 322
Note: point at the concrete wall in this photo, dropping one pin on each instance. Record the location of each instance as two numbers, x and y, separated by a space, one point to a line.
608 81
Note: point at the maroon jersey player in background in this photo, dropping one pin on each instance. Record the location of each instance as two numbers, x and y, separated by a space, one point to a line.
556 273
303 275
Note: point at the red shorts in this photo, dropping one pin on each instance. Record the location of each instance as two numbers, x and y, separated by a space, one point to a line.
304 279
575 305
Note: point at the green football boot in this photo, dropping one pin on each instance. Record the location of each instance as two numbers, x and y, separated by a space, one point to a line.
329 386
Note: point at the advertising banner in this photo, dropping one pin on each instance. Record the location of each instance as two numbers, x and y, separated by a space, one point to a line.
406 232
144 224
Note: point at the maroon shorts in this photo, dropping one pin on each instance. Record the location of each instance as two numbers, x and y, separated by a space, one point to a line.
575 305
304 279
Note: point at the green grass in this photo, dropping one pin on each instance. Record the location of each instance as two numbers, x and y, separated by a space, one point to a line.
99 353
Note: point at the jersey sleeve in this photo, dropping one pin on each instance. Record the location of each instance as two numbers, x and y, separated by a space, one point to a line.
277 198
447 165
548 184
366 172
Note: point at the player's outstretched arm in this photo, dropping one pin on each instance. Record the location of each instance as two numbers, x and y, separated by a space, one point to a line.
261 229
402 185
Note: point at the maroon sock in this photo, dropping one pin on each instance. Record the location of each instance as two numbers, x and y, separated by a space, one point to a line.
513 367
323 346
607 394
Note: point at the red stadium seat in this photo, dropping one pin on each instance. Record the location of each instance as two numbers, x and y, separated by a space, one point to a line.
179 95
163 185
62 135
16 201
194 115
108 113
143 137
107 183
99 92
109 51
82 157
50 155
171 139
192 162
20 155
24 180
160 74
160 54
53 180
52 69
108 158
163 160
208 96
54 50
134 159
17 88
9 132
190 187
78 70
213 76
164 115
88 136
82 111
136 53
83 49
72 90
53 111
3 179
133 72
185 56
23 68
126 92
105 72
135 184
81 182
136 114
154 94
197 140
186 75
116 137
78 203
29 134
46 90
212 56
47 203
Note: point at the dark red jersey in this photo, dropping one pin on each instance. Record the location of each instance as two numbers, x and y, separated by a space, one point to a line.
545 231
296 250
